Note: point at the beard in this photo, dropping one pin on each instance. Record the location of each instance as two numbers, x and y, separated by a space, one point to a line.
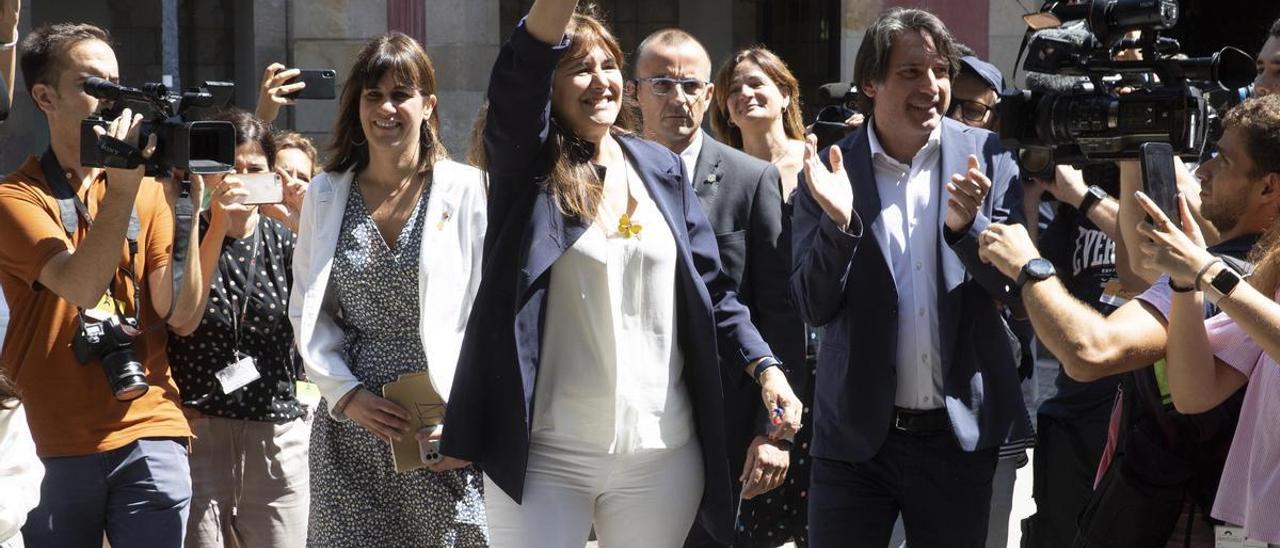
1223 212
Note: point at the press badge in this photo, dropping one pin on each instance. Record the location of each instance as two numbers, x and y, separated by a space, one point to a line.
1227 536
235 376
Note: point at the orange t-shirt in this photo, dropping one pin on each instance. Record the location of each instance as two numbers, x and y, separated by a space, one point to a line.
70 407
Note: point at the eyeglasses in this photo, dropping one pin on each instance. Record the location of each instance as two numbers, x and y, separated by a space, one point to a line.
663 85
971 111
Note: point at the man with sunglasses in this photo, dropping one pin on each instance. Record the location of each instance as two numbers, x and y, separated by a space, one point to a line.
742 196
975 92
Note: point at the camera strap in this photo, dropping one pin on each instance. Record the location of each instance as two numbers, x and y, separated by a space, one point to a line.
72 211
71 208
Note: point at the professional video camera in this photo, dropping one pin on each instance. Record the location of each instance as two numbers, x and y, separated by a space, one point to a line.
182 142
1093 121
838 102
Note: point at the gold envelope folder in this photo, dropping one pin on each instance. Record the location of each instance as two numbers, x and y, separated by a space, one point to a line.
415 393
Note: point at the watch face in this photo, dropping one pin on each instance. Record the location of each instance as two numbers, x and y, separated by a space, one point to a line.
1225 281
1040 268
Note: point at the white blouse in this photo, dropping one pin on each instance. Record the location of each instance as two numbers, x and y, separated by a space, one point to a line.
610 376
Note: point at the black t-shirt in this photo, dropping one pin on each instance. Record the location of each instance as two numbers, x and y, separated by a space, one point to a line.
1085 259
265 333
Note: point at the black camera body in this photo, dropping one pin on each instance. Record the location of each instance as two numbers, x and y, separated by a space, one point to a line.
182 142
111 343
1165 97
838 102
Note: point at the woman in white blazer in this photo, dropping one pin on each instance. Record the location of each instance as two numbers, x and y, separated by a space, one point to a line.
388 206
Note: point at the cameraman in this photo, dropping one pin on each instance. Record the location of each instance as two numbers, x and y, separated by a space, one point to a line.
114 466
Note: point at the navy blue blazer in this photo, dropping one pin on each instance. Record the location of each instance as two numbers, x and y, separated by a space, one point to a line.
491 402
840 280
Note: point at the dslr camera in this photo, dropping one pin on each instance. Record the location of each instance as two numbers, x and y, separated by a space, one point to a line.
111 342
183 141
1081 116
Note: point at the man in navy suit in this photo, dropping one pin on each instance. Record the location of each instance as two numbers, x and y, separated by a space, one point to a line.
742 197
917 377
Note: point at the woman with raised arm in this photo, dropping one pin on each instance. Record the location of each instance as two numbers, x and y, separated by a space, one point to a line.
757 110
588 387
386 266
249 456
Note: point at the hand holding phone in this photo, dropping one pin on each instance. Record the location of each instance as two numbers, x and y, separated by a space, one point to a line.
1159 180
316 84
261 188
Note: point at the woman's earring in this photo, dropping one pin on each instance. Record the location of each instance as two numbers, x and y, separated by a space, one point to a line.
361 142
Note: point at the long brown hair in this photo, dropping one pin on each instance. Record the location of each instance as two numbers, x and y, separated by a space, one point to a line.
571 178
774 67
408 63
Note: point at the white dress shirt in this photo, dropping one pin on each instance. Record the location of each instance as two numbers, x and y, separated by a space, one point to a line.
908 233
690 156
610 376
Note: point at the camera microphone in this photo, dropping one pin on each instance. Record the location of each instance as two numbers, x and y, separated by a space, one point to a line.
108 90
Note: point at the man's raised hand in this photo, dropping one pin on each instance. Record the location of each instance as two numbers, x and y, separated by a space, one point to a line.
829 187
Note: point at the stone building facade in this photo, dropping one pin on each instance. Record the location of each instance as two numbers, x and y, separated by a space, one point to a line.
235 39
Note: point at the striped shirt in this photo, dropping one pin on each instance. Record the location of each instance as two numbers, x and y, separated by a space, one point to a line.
1249 493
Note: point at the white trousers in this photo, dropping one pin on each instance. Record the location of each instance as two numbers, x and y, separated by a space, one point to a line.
645 500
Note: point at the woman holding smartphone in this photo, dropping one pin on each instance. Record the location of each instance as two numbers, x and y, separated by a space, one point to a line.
236 368
588 386
387 265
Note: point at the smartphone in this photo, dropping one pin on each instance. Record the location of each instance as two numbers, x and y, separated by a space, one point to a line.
264 188
321 84
1159 180
429 451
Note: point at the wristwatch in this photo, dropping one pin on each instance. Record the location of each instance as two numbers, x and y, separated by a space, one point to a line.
1036 269
1092 196
765 363
1224 282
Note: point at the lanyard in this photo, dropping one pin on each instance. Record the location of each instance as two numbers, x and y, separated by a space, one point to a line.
237 321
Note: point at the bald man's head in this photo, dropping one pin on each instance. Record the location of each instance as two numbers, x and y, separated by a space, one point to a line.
672 86
673 39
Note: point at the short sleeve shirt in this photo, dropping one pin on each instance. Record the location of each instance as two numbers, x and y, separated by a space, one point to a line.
256 268
1249 492
1085 258
70 407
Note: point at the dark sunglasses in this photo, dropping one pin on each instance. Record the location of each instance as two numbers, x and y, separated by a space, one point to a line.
970 111
663 85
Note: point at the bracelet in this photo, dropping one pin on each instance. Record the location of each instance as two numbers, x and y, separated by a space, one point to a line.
765 363
1179 289
10 45
1205 269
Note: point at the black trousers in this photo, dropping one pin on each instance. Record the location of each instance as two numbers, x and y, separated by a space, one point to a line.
1066 462
942 492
